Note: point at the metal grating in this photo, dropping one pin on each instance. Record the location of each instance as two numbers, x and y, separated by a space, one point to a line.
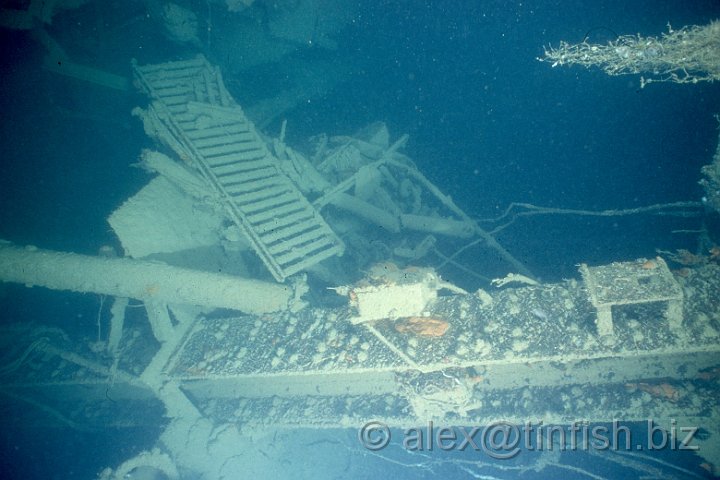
206 127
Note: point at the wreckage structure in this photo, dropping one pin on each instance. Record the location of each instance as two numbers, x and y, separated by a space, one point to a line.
216 357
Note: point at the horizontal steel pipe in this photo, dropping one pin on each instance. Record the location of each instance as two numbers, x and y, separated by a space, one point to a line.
139 279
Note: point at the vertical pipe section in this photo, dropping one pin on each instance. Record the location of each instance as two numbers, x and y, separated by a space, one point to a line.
143 280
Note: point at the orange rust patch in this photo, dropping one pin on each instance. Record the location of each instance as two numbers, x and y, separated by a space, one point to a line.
662 391
422 326
649 265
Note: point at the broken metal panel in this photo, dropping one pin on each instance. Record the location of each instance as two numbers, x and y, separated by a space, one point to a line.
162 219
